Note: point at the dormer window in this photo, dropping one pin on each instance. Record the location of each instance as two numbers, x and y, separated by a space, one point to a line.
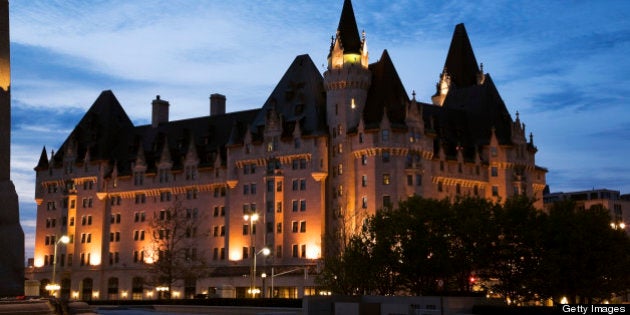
191 172
138 178
68 168
385 135
164 175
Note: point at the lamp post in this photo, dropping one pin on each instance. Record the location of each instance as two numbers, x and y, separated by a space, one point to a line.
252 218
252 268
264 289
53 286
265 251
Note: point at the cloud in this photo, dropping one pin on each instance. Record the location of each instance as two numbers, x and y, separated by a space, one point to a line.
564 68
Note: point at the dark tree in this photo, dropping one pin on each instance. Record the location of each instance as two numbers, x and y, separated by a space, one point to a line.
517 248
473 239
174 255
585 259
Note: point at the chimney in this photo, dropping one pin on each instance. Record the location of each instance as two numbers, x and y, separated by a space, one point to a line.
160 111
217 104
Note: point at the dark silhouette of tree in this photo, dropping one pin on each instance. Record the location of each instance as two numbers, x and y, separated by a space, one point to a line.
473 239
516 248
428 246
584 258
174 255
421 227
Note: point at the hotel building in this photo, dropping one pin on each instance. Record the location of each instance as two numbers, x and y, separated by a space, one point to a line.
322 153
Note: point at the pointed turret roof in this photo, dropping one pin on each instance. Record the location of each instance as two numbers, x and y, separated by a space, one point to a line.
348 32
43 161
461 63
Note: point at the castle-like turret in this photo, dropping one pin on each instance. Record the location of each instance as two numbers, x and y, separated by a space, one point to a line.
347 79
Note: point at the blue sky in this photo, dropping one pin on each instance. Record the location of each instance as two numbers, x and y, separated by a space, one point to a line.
562 65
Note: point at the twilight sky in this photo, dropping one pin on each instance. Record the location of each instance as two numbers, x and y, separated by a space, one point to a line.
564 66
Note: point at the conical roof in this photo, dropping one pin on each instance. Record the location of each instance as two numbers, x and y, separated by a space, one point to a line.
461 63
43 161
348 32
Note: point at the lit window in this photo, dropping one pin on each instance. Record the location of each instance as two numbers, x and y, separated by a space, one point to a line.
386 179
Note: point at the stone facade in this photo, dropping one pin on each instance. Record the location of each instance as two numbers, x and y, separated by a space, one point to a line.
320 155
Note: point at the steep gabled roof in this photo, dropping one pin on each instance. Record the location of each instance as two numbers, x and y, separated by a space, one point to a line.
348 30
100 130
386 91
299 95
461 63
485 110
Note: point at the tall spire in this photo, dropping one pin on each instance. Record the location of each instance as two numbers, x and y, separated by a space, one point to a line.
348 32
347 46
461 62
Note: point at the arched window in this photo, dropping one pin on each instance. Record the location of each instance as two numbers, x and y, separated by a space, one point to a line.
65 288
112 288
42 287
137 288
86 289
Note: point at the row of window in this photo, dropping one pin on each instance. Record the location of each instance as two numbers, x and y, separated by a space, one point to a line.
385 157
164 175
61 260
142 198
52 205
300 163
458 189
387 202
296 227
297 251
53 188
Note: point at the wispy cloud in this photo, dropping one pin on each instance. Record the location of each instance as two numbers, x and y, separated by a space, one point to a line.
564 68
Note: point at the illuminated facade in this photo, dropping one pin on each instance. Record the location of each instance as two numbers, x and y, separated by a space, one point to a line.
323 152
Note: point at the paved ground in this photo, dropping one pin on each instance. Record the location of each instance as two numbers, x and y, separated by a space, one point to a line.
207 310
133 312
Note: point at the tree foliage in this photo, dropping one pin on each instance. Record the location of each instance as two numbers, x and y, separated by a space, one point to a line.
428 246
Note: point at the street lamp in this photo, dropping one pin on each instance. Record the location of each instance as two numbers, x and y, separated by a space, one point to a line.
252 218
252 268
53 286
264 289
265 251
